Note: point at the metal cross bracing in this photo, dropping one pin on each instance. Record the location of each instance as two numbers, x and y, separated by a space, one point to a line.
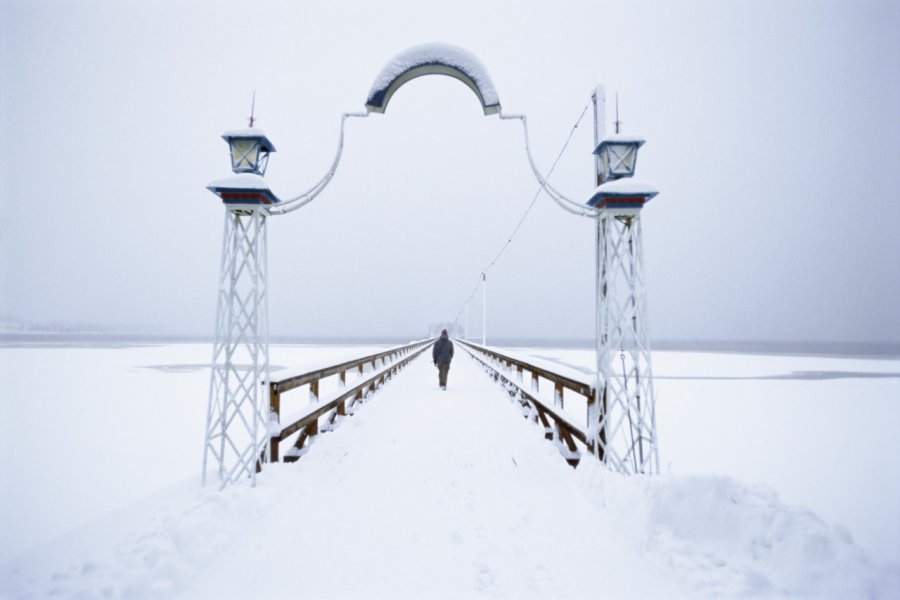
622 424
237 413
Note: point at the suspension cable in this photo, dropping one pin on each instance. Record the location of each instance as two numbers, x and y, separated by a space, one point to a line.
565 203
538 191
545 186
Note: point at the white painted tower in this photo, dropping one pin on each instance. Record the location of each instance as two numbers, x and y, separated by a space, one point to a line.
237 413
622 416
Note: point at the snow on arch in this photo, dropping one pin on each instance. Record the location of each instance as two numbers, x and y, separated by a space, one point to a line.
433 59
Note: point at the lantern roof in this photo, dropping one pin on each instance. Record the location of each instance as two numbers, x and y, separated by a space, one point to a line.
250 181
243 188
626 191
620 138
250 133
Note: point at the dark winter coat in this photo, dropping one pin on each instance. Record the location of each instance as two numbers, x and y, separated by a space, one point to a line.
442 351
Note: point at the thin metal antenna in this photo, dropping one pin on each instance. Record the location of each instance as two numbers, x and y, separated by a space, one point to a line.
252 108
618 122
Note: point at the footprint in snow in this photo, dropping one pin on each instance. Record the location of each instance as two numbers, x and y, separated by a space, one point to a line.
483 576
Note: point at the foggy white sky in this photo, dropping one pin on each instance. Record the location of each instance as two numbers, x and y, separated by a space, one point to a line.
772 134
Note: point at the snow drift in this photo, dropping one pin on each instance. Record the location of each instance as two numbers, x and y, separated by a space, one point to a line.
728 539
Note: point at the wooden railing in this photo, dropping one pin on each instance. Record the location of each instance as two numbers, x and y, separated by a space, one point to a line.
558 424
384 365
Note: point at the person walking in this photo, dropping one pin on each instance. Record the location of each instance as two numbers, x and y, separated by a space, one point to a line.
442 354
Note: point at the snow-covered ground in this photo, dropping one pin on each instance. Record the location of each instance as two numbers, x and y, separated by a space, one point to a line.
430 494
820 430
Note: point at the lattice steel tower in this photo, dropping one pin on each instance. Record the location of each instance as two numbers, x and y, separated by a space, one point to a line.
622 416
237 413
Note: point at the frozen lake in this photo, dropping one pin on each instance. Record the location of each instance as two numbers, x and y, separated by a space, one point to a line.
89 429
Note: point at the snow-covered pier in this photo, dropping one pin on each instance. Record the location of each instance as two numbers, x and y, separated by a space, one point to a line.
338 390
424 493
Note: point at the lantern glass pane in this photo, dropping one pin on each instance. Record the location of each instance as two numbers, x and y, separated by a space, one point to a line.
244 154
263 162
622 158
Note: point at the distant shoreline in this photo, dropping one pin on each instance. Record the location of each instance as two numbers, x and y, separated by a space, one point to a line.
852 349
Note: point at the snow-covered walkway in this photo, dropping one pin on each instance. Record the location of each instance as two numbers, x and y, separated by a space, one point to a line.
429 494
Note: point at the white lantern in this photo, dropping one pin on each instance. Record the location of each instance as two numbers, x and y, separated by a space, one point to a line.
250 150
618 156
246 189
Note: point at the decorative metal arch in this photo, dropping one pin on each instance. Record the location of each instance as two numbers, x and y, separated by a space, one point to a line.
621 415
433 59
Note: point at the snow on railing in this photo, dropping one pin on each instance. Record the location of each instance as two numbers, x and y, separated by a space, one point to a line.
330 396
558 420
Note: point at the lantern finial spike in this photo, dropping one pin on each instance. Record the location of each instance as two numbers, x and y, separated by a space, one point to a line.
252 108
618 122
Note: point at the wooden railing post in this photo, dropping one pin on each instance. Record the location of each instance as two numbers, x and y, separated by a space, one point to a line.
314 399
342 383
599 452
558 403
563 431
308 426
274 409
359 393
312 429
